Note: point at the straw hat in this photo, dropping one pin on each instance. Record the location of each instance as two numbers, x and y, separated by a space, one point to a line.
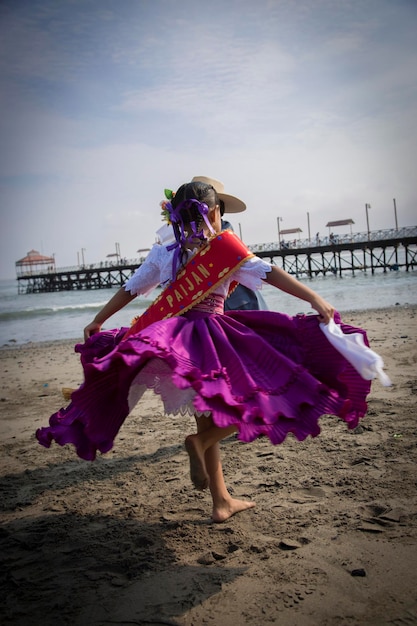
231 203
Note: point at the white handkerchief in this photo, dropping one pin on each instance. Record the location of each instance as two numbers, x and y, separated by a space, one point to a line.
365 361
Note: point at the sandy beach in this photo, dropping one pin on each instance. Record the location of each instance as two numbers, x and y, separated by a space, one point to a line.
127 539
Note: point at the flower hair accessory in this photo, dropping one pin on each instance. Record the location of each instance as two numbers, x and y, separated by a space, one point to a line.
169 195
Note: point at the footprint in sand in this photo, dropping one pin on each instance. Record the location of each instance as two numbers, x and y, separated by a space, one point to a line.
308 494
293 598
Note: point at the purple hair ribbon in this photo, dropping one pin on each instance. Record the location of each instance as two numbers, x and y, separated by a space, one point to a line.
180 234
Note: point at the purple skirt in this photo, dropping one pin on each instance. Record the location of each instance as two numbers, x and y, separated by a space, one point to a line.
264 372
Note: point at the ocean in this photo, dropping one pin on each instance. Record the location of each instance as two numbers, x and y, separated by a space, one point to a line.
63 315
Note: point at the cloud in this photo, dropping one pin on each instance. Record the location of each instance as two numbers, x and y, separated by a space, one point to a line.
297 107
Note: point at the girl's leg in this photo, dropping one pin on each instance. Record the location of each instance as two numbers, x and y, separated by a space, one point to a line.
224 506
196 445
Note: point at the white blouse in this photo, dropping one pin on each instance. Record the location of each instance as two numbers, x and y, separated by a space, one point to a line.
157 270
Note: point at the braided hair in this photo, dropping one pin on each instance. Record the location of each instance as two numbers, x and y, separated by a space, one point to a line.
190 219
194 191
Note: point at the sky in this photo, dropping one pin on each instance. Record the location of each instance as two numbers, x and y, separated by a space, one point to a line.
304 109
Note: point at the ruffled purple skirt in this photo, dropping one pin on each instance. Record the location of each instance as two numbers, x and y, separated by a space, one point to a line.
264 372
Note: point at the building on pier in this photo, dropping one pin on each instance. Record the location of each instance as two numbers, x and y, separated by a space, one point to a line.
34 263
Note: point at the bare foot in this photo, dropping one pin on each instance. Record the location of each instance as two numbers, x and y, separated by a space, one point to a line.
228 508
67 392
198 472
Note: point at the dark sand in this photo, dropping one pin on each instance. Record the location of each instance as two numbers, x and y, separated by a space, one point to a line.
127 540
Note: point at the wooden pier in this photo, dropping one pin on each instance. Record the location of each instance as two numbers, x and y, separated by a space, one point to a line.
92 277
386 255
384 251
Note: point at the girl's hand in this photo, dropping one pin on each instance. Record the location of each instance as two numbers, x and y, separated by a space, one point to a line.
323 308
116 302
91 329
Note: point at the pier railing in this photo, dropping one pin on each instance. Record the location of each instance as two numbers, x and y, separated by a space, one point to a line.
314 242
100 265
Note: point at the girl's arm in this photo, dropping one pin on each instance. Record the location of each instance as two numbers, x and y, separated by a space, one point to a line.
146 277
117 302
284 281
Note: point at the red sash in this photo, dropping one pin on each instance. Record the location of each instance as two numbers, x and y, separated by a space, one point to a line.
212 265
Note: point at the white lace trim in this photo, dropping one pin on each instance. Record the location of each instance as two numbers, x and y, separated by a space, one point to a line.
252 273
157 375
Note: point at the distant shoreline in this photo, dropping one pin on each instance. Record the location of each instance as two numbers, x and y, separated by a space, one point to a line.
368 313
